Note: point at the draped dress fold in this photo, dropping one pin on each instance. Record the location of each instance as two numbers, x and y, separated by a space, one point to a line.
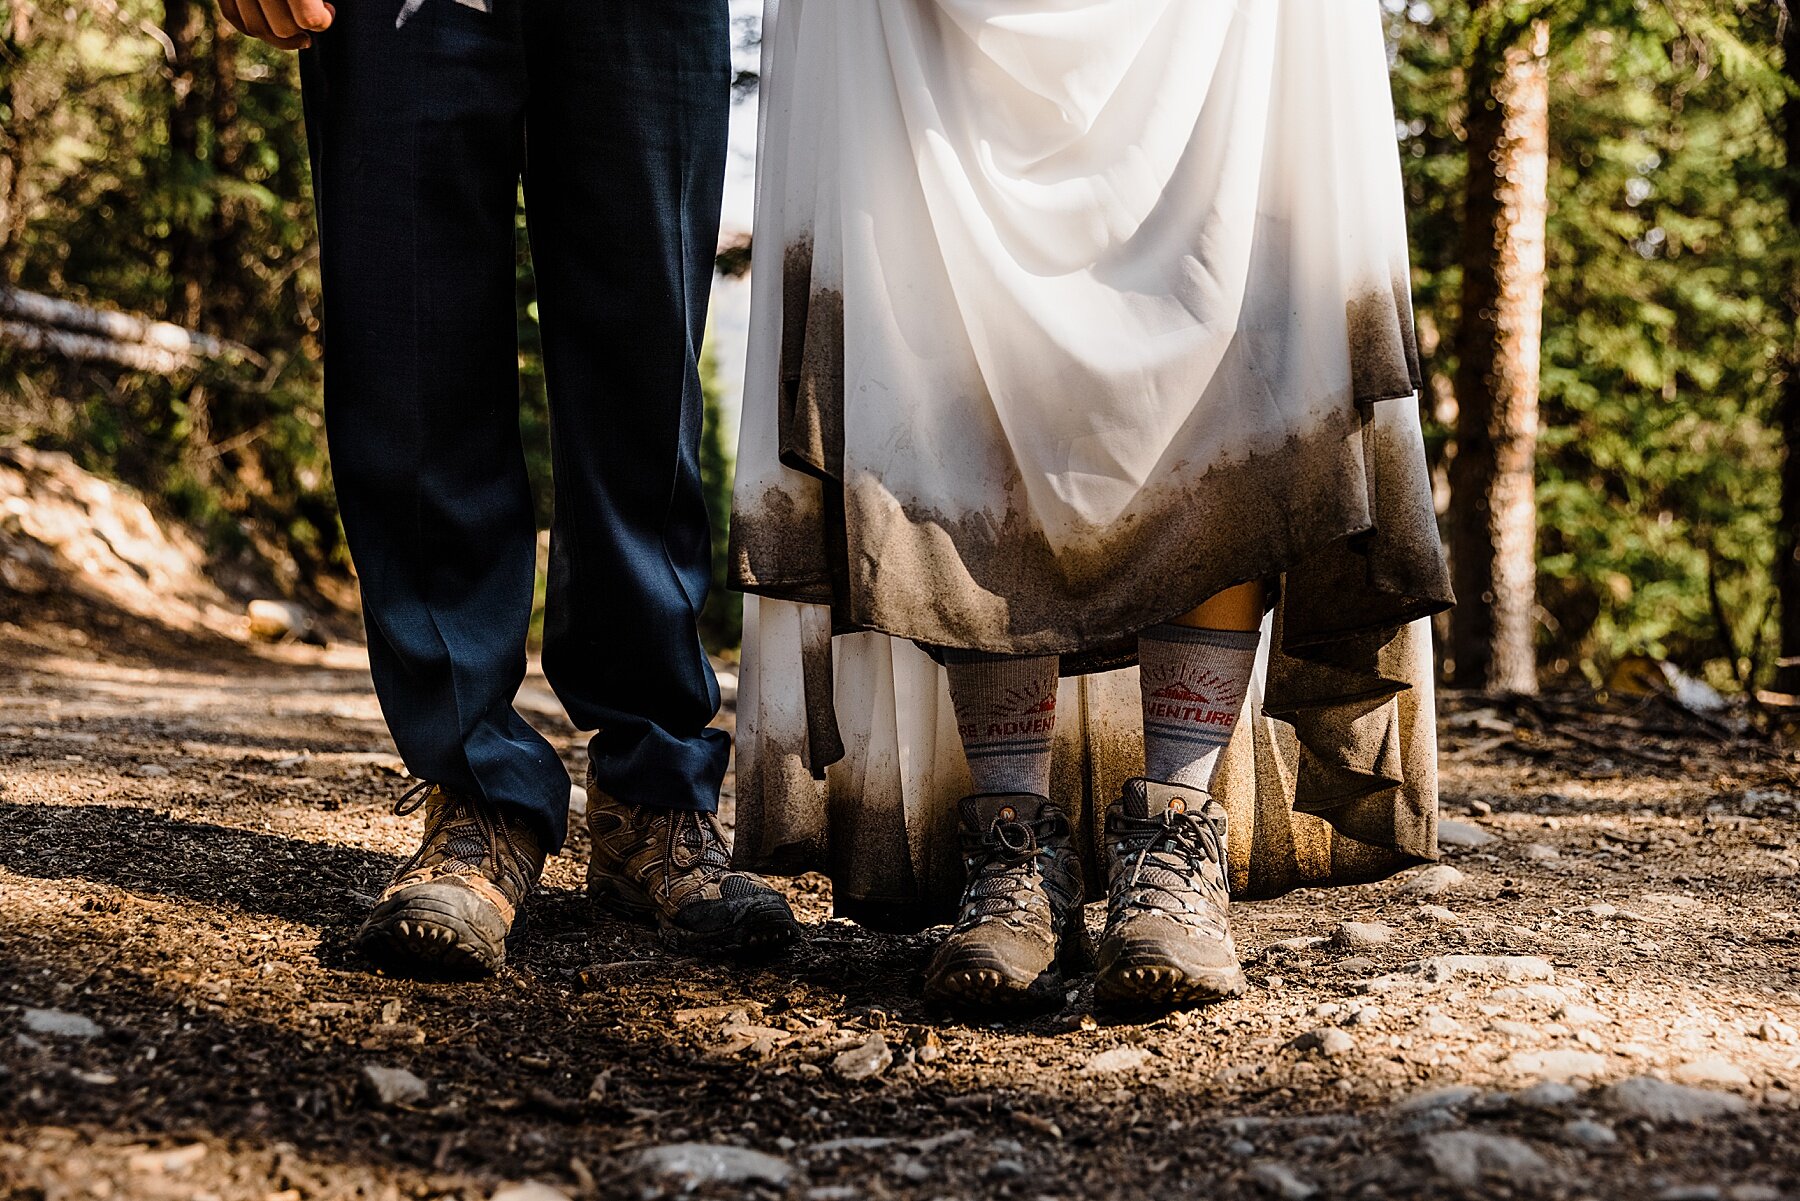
1067 315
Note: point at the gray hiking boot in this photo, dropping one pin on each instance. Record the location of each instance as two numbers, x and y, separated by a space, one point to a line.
671 868
1168 933
1020 930
450 907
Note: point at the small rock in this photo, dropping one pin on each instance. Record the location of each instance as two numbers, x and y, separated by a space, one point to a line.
1279 1180
1356 963
1433 881
1005 1169
1295 946
837 1146
866 1060
531 1190
917 1171
1601 910
1436 914
1540 852
60 1024
1520 1031
937 1142
1440 969
1362 936
1328 1041
279 621
1690 1192
1772 1031
1584 1132
1465 1157
1117 1059
168 1162
1752 1192
1547 995
1556 1065
1427 1120
1582 1015
1711 1070
1461 834
151 771
1546 1094
1450 1096
1366 1015
1441 1025
713 1163
394 1086
1240 1148
1660 1101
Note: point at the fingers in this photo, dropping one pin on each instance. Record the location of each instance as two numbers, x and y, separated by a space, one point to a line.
279 20
253 17
311 15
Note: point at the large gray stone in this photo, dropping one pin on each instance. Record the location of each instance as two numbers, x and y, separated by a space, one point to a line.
60 1024
1461 834
1279 1180
1433 881
697 1164
1660 1101
394 1086
1466 1157
1328 1041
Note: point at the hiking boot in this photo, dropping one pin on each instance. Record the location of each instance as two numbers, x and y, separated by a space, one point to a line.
1168 934
672 868
450 907
1020 929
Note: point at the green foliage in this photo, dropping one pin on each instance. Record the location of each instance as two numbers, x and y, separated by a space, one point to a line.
169 177
722 621
1668 251
115 192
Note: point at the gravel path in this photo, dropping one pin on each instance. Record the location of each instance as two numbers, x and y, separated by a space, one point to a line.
1597 994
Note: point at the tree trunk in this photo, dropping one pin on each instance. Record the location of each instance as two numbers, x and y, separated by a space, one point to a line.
181 22
16 146
227 291
1787 414
1493 491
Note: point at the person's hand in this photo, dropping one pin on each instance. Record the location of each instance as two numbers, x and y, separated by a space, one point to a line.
288 24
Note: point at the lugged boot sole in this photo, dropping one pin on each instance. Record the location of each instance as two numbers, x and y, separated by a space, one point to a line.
436 928
756 934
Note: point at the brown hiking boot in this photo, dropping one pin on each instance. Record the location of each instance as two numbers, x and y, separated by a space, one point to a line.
672 868
1020 929
450 907
1168 933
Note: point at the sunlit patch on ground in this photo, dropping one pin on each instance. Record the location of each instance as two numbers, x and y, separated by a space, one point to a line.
186 849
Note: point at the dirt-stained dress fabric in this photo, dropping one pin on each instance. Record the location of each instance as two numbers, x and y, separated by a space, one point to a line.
1069 314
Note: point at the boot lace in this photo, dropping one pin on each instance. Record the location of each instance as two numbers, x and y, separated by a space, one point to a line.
1167 857
1013 863
461 830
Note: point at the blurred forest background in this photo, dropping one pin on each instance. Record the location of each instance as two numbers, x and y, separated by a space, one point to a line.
1621 175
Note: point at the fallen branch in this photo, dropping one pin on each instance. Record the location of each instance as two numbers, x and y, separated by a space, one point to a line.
47 325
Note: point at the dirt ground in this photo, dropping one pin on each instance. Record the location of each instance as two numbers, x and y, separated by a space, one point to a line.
189 834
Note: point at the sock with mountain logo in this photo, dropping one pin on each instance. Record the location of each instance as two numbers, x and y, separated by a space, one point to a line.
1193 684
1006 715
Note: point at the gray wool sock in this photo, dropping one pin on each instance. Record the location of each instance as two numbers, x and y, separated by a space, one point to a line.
1193 684
1006 715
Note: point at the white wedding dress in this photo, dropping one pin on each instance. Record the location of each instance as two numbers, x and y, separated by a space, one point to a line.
1068 314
